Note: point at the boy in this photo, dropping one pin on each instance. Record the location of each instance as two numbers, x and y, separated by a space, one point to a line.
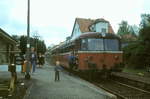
57 69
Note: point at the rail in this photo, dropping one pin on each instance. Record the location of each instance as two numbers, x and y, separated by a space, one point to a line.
123 91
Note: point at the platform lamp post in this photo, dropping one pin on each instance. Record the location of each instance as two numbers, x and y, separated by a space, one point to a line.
27 75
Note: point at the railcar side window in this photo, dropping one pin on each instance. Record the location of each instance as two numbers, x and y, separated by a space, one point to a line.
111 44
95 44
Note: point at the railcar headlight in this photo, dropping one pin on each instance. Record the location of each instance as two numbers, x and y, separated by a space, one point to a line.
116 57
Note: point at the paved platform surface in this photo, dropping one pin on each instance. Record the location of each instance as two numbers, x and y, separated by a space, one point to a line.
5 77
69 87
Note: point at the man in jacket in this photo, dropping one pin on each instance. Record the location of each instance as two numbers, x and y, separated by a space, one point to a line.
33 59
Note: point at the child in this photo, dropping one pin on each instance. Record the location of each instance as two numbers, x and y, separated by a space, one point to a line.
57 69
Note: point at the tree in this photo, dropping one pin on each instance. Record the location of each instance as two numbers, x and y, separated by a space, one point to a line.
16 37
23 44
145 27
41 47
134 55
138 54
126 32
145 35
145 20
136 29
123 28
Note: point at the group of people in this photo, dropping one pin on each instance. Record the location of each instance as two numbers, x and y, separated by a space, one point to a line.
35 60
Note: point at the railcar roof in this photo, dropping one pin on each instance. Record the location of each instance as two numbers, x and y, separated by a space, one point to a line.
97 35
86 35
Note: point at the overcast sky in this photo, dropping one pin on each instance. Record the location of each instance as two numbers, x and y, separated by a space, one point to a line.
53 20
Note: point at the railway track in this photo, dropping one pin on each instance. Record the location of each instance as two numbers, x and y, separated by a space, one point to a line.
123 91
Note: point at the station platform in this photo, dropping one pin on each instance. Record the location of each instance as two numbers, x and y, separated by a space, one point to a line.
69 87
20 86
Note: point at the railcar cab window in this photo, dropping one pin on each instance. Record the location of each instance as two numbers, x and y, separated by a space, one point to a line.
84 44
111 44
95 44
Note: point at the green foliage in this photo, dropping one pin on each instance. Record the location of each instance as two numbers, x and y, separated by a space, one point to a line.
145 27
123 28
145 34
137 55
127 32
16 37
145 22
39 45
134 55
134 71
23 44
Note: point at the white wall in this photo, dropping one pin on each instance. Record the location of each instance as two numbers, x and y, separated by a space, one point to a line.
76 31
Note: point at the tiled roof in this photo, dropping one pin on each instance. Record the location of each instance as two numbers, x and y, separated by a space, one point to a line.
7 36
100 20
84 24
110 29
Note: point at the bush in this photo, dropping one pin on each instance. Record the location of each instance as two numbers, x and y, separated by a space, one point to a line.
135 55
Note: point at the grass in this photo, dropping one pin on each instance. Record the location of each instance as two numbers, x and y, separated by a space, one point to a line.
140 72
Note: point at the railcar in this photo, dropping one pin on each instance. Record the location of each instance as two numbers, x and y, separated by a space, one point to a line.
98 51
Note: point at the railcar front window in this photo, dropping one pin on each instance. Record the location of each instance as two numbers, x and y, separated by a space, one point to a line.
84 44
111 44
95 44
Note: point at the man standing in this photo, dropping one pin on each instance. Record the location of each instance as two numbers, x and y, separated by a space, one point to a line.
33 59
40 60
72 61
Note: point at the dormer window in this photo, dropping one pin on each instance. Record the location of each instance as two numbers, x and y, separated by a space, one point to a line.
103 30
92 28
101 27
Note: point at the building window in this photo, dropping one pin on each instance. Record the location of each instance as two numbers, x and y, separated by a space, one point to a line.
92 28
103 30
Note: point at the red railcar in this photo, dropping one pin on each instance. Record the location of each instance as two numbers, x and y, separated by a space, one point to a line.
103 50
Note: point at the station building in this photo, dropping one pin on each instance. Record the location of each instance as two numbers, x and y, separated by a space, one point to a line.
7 46
83 25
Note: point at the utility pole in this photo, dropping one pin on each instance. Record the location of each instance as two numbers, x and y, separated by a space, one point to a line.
27 75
